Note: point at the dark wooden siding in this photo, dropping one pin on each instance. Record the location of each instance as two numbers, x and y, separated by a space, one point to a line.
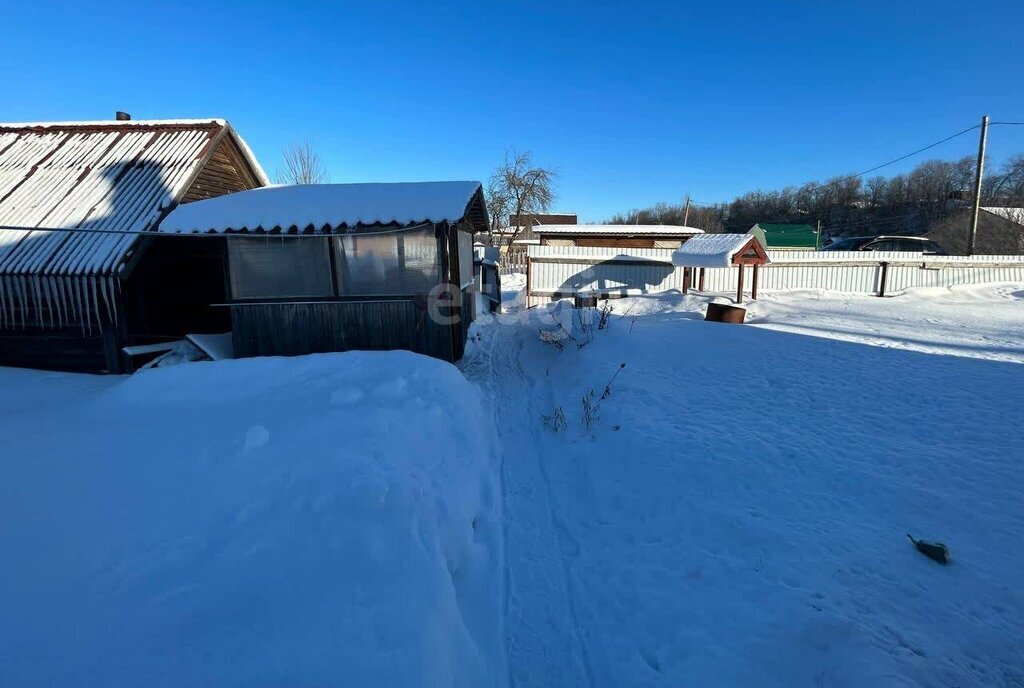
224 173
294 329
617 242
52 349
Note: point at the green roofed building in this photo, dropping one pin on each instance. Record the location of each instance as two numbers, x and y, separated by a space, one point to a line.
785 236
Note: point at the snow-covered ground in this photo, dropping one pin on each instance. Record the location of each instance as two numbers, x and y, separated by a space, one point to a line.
325 520
735 515
738 513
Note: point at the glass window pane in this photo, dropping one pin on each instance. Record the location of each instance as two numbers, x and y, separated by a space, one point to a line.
386 264
422 262
465 258
268 267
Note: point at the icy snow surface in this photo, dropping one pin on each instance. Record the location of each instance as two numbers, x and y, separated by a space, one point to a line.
709 250
318 205
329 520
738 514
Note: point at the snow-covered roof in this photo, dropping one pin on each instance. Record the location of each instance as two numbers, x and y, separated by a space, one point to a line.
120 123
118 177
328 206
1011 214
619 230
710 250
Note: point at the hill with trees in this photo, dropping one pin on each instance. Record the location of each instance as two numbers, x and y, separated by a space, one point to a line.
912 204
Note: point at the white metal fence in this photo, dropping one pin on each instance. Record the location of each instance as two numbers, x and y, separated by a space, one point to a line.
565 271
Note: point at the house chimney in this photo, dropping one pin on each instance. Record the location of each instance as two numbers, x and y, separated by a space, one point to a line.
122 116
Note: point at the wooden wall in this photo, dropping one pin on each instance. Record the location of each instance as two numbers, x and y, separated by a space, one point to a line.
620 242
225 172
167 291
294 329
52 349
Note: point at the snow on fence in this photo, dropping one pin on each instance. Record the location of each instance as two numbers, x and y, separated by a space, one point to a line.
565 271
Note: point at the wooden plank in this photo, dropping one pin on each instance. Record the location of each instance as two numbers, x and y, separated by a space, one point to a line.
292 329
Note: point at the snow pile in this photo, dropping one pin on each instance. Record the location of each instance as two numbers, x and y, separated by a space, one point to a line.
324 520
710 250
320 205
737 514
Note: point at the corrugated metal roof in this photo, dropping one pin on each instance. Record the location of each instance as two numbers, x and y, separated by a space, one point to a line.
1011 214
320 206
105 180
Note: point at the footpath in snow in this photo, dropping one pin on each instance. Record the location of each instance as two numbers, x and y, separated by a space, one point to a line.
737 515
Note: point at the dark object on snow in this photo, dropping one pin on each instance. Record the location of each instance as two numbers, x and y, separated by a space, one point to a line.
720 312
936 551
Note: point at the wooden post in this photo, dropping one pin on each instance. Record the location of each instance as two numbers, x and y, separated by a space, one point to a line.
686 280
701 287
739 286
753 284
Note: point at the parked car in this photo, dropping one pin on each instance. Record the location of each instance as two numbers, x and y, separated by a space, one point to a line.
886 243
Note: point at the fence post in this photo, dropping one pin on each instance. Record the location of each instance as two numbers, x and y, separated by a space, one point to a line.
885 278
528 304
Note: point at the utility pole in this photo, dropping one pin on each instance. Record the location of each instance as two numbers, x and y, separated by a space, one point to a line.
977 187
817 237
686 213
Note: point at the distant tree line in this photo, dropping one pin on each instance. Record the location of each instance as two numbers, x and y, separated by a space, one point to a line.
911 203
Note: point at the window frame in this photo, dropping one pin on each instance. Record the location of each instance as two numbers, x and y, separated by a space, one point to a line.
336 296
230 275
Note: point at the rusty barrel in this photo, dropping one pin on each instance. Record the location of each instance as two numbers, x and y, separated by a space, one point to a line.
720 312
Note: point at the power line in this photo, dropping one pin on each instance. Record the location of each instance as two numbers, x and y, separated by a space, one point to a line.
878 167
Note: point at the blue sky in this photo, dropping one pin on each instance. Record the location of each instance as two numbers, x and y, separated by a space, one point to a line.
633 102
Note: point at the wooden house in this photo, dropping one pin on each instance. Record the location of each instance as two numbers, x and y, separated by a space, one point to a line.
82 273
618 236
333 267
528 222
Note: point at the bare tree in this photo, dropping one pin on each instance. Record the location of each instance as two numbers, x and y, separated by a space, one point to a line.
520 190
499 204
302 165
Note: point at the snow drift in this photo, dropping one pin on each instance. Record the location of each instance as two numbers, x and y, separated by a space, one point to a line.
325 520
